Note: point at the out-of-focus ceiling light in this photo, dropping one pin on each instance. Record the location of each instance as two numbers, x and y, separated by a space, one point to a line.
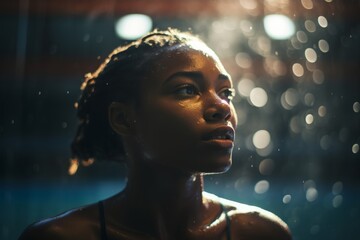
133 26
279 26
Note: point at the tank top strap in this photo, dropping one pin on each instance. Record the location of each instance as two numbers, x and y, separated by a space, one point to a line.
228 222
103 234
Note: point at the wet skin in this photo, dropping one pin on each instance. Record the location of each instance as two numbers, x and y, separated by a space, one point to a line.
182 128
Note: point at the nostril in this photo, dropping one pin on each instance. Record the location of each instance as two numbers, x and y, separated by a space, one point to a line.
217 116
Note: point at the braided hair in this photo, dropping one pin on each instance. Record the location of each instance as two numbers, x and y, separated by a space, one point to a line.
116 80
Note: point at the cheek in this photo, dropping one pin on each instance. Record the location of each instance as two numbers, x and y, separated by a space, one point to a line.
234 119
169 129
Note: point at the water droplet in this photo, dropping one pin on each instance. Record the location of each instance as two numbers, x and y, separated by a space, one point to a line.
325 142
266 166
258 97
310 55
309 119
301 36
298 69
245 86
356 107
243 60
337 187
318 76
286 199
337 201
307 4
355 148
311 194
322 21
323 45
261 139
310 26
261 187
322 111
309 99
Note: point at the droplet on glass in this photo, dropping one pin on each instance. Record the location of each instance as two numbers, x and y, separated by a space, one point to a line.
337 201
323 46
247 28
309 99
356 107
355 148
301 36
310 26
266 166
311 194
309 184
245 86
261 187
309 119
325 142
322 21
64 124
298 69
291 97
261 139
337 188
243 60
286 199
258 97
322 111
318 76
310 55
307 4
295 125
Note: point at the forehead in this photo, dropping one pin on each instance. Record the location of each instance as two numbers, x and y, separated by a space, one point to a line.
194 56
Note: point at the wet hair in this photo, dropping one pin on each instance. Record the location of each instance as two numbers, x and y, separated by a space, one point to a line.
116 80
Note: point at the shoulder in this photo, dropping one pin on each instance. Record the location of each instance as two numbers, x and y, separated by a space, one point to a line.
254 222
77 224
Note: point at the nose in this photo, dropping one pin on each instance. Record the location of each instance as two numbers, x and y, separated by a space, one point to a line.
218 110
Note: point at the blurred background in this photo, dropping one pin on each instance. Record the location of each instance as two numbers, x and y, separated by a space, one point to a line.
295 66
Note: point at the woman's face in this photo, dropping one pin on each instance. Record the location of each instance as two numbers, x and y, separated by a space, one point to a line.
185 119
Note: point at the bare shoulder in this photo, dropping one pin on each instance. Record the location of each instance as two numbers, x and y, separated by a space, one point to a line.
78 224
254 222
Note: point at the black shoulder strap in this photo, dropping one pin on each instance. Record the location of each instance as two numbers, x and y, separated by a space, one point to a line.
228 223
102 221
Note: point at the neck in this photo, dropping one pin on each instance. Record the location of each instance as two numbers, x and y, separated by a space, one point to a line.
164 200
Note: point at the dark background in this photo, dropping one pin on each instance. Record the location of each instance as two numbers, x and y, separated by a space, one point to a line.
311 176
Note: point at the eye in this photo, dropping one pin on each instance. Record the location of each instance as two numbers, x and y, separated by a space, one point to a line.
227 94
186 90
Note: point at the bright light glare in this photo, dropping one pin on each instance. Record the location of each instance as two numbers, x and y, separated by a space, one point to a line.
133 26
279 26
261 139
258 97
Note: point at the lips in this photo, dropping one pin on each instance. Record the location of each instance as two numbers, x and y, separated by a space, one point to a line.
222 137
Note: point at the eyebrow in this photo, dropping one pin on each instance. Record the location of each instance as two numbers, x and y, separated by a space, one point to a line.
195 75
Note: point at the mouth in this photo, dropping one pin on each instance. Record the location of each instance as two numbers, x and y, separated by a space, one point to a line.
221 137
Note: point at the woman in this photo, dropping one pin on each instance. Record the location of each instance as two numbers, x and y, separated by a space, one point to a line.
163 104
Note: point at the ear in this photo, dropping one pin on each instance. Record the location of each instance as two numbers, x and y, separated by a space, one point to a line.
121 118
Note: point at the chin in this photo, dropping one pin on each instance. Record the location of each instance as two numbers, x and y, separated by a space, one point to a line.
217 167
